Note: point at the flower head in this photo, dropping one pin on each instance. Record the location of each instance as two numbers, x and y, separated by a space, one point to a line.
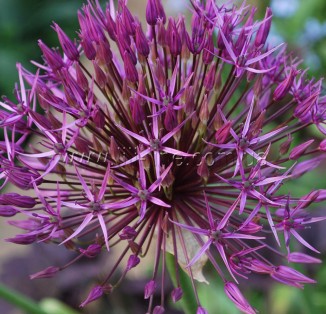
167 138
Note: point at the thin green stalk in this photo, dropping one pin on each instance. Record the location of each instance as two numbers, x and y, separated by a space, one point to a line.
20 301
188 301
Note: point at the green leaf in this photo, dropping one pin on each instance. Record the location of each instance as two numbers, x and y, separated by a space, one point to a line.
53 306
188 301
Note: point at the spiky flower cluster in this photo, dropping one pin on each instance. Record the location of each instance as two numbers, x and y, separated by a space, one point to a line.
172 139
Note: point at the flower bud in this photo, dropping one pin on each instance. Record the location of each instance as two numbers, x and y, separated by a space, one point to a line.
202 169
234 294
104 53
204 111
308 199
284 147
251 228
201 310
222 134
158 309
209 81
137 111
168 180
7 211
170 120
88 48
92 250
22 177
23 239
258 124
99 75
305 166
299 150
259 267
160 72
127 233
161 34
283 88
133 261
130 69
208 53
98 118
110 25
52 57
46 273
67 45
96 293
81 78
298 257
290 276
154 11
17 200
176 294
141 41
264 28
321 195
173 39
114 149
189 100
322 146
127 19
149 289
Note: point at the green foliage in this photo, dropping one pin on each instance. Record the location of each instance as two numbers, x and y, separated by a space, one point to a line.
22 23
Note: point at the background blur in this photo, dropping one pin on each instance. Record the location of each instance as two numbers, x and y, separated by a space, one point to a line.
300 23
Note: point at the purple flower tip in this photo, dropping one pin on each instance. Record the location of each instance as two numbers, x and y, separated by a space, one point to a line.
7 211
127 233
154 12
92 250
133 261
322 145
23 239
17 200
290 276
67 45
96 293
149 289
237 298
201 310
176 294
298 257
46 273
158 309
299 150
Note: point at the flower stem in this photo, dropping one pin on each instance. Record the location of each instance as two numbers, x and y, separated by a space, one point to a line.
188 302
20 301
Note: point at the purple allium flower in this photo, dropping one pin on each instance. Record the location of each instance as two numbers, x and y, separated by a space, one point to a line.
166 138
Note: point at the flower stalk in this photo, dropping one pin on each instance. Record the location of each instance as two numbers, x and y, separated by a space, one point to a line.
20 301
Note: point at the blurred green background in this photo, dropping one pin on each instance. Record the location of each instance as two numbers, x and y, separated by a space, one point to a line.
22 23
300 23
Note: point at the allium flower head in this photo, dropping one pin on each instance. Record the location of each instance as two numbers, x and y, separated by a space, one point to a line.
166 137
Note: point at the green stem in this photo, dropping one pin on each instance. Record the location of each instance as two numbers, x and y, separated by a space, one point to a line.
20 301
188 301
